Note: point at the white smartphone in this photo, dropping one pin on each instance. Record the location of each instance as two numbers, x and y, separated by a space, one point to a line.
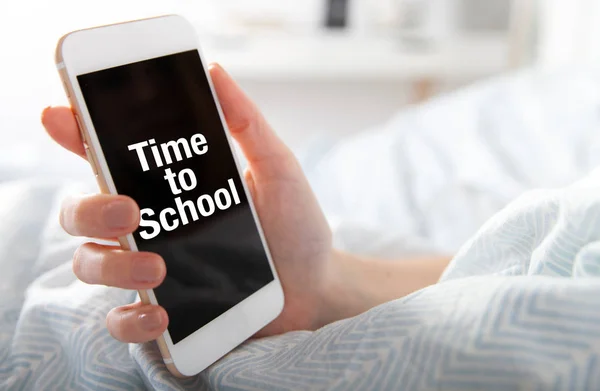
154 130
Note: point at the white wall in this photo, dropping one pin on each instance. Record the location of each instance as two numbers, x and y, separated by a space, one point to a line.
300 112
569 32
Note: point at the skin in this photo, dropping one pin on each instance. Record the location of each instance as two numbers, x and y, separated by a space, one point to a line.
321 284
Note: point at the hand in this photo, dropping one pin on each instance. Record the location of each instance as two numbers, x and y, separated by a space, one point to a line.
298 235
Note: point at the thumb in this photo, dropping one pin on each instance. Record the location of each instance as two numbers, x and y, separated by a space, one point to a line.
265 152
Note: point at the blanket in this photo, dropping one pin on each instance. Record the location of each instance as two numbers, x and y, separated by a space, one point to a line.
517 308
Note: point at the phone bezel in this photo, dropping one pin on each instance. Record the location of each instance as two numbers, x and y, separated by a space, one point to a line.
90 50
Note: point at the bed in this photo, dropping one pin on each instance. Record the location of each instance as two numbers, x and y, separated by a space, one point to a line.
517 308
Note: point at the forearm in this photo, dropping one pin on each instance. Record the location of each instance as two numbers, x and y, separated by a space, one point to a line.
355 284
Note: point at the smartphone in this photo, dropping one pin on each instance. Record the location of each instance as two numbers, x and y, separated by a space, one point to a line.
154 130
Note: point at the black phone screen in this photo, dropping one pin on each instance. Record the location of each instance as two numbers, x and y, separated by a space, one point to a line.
165 146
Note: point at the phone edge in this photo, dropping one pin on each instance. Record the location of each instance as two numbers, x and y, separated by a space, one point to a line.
101 180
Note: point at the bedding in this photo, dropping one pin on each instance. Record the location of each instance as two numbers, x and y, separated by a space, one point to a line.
517 308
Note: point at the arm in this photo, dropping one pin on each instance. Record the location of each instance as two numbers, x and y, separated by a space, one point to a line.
356 284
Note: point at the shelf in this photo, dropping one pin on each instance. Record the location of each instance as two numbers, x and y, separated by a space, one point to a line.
331 57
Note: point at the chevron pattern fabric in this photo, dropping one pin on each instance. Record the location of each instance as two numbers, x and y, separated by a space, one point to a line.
518 309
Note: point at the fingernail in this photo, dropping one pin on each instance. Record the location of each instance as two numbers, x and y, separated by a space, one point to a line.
151 320
146 270
119 215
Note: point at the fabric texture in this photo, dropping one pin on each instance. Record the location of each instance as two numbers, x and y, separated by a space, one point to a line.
518 308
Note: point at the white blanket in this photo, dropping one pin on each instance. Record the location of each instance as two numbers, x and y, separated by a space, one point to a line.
440 170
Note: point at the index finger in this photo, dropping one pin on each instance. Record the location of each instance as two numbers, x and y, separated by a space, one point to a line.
61 125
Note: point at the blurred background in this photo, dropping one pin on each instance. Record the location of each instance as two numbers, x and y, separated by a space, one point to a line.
316 67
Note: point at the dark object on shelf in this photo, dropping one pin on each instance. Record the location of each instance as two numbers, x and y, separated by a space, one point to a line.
337 13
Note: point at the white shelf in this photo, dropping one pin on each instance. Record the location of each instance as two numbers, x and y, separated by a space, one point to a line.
340 57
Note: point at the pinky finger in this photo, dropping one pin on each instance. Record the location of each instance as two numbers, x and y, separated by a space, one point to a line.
137 323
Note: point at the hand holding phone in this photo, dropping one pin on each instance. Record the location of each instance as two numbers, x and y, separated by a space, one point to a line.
298 236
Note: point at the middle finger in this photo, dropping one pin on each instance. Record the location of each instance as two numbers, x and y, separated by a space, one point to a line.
107 265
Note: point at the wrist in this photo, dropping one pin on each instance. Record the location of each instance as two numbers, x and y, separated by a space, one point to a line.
353 284
340 296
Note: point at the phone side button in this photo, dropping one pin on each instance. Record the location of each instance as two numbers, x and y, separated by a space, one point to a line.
66 88
90 159
80 126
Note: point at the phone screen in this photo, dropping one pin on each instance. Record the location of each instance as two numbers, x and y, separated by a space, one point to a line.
165 146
